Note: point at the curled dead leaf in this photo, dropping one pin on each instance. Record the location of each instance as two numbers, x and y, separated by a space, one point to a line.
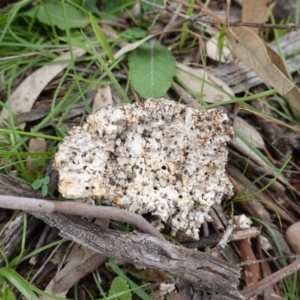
257 56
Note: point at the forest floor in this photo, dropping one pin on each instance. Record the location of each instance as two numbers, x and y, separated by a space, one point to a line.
62 61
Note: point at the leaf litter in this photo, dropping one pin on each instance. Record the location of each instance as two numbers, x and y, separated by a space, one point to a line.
261 189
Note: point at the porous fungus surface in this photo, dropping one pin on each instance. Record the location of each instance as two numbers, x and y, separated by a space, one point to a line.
157 157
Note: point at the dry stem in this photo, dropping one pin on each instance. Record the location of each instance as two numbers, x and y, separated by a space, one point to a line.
79 209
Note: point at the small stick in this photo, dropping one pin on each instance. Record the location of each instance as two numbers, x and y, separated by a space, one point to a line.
223 241
79 209
258 287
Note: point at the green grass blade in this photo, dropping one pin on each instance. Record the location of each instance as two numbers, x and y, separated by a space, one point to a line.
185 26
19 282
101 38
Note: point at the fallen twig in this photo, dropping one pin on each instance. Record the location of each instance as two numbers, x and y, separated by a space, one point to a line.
79 209
223 241
202 270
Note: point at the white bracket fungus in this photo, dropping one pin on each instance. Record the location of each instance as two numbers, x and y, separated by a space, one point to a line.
157 157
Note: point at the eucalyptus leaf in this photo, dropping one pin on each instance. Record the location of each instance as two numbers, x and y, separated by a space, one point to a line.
152 68
51 12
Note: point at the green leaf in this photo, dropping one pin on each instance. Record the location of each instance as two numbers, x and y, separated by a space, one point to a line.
7 293
37 184
44 190
51 12
46 180
152 68
135 288
118 285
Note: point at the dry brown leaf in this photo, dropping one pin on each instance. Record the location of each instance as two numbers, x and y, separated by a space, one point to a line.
24 96
35 145
71 272
211 89
255 11
103 98
255 54
251 134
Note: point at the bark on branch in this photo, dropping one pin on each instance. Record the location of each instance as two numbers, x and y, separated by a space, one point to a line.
202 270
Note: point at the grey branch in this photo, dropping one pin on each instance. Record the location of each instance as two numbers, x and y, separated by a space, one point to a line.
201 269
79 209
